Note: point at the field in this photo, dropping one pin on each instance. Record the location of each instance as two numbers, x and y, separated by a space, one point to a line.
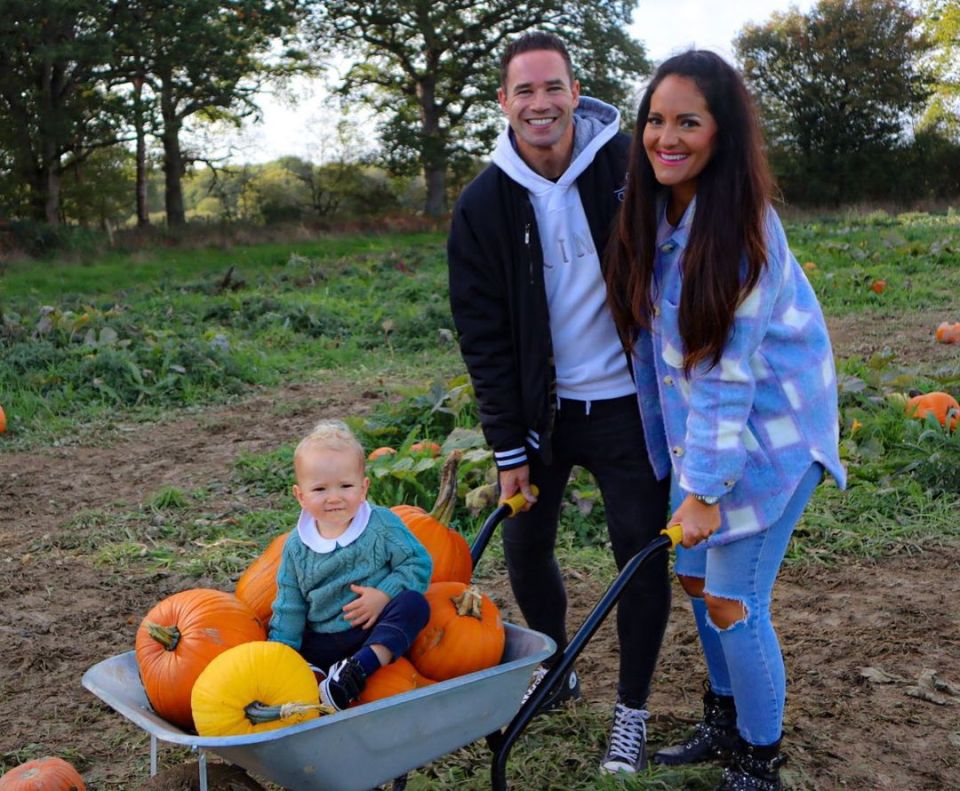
153 401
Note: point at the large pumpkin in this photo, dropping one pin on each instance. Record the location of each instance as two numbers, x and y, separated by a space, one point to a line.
257 586
942 406
43 774
448 549
180 636
464 634
255 687
399 676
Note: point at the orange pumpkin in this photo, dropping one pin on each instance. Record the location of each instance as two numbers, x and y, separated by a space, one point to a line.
425 447
948 333
878 286
464 634
43 774
942 406
3 420
399 676
257 586
179 637
448 549
378 452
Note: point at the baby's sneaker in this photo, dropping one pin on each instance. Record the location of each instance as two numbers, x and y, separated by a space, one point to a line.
344 682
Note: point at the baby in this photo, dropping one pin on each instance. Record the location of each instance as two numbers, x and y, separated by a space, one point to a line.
351 578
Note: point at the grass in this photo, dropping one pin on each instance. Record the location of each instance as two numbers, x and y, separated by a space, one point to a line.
145 337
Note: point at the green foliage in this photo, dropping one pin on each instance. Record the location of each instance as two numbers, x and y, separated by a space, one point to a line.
200 334
834 86
432 86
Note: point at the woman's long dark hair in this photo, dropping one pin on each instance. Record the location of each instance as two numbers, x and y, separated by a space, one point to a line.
733 192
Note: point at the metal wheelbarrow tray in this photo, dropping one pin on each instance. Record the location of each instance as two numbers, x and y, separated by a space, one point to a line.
359 748
369 745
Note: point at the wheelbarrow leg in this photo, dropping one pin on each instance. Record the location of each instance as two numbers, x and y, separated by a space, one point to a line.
501 746
153 755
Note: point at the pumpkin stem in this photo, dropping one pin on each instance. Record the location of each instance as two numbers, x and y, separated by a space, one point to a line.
469 602
167 636
258 713
447 495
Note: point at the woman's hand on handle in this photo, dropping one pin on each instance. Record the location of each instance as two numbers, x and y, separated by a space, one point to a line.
698 521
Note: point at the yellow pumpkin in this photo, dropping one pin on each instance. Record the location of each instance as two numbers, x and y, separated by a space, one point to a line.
254 687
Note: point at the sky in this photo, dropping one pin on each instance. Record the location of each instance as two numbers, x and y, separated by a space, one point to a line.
303 128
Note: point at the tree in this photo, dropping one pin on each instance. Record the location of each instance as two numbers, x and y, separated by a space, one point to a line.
835 86
54 109
206 58
941 22
429 68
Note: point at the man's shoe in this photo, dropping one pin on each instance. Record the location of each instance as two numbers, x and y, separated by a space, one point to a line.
714 737
344 682
627 752
567 688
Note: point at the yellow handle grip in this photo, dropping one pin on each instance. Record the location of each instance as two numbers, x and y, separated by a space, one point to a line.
518 500
675 532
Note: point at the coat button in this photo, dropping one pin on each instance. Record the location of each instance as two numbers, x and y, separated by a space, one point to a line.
729 484
668 380
668 247
677 450
656 310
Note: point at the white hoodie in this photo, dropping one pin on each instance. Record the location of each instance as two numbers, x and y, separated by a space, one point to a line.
589 358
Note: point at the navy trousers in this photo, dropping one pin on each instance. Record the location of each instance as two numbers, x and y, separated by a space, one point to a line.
396 628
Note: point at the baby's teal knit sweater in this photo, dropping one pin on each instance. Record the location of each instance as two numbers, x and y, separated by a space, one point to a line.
313 587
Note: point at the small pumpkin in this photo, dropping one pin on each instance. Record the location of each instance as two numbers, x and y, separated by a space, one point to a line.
947 332
392 679
448 549
464 634
878 286
180 636
426 448
376 453
3 420
942 406
43 774
257 586
254 687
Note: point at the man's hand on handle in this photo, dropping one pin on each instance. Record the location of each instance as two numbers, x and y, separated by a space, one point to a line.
517 480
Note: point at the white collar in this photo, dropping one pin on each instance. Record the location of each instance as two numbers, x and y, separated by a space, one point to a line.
310 536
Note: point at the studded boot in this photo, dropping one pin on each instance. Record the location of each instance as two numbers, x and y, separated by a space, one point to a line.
714 736
753 768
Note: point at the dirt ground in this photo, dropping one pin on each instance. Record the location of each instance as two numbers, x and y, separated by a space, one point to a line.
873 651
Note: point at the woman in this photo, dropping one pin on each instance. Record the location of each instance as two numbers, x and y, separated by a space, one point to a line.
736 383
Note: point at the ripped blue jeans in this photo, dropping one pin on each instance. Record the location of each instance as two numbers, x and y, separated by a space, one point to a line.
744 660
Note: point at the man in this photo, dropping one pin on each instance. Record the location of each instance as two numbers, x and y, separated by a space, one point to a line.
553 383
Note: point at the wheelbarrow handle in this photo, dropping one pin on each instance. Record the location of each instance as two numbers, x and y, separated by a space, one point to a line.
509 507
501 743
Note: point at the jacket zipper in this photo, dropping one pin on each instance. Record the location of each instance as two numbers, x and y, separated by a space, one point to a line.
526 241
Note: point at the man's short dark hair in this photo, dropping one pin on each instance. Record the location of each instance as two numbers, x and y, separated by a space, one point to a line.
530 42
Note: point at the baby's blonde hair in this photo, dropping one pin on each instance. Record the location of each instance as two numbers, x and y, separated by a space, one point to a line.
331 435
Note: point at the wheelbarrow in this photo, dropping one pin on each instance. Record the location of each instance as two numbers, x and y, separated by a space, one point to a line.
364 747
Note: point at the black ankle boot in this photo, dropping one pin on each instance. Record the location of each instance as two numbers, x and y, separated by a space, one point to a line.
753 768
714 737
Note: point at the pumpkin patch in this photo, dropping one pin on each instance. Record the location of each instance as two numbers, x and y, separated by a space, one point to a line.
180 636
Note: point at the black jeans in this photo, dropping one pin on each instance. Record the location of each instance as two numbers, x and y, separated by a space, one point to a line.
609 443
